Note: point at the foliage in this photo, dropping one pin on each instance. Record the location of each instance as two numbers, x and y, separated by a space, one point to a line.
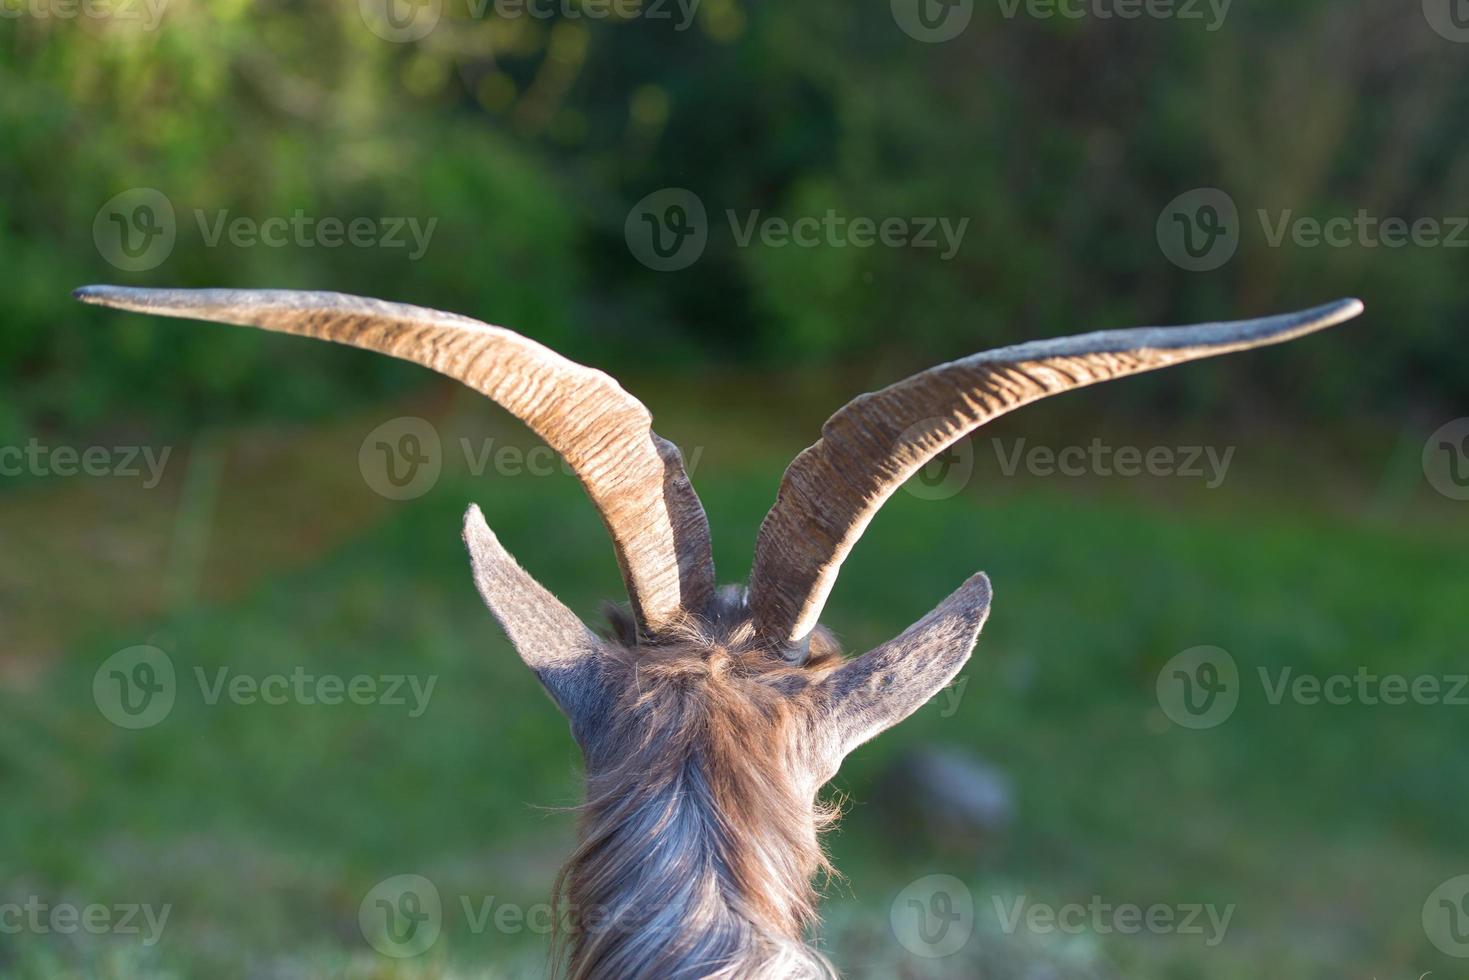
528 140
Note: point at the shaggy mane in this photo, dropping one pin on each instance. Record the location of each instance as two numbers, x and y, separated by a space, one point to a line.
701 828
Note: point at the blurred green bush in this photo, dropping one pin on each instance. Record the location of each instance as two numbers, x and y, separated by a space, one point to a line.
527 140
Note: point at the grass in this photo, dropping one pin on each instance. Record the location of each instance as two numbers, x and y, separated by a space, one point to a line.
262 827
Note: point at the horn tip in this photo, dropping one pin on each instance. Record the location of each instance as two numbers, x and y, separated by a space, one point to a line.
94 295
120 297
1344 309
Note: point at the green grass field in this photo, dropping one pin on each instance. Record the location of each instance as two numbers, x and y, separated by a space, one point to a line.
263 827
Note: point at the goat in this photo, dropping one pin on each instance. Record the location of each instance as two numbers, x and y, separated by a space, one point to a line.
711 718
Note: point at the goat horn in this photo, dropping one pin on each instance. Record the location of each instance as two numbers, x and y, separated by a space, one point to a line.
636 480
878 440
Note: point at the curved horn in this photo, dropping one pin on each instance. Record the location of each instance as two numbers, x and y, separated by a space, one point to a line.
878 440
635 479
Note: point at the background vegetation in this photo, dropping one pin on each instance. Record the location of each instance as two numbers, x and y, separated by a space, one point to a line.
528 140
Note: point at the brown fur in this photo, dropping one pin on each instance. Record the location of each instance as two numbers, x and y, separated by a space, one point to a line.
700 832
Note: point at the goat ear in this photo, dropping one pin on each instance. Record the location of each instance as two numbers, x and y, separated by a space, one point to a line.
550 638
875 691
